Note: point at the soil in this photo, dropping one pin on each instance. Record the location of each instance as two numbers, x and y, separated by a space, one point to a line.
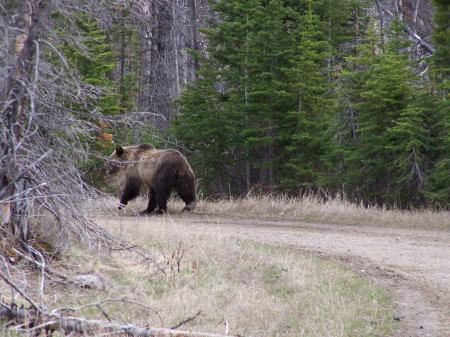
413 265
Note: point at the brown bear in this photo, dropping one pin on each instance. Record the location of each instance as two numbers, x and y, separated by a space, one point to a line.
160 171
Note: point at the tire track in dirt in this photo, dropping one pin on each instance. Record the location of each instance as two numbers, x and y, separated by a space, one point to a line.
412 264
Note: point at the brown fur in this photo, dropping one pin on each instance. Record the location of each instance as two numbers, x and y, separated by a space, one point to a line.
158 171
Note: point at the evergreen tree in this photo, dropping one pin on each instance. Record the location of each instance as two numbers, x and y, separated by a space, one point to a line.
345 131
305 126
205 127
388 156
248 45
409 144
263 108
438 189
127 45
96 63
230 49
265 98
340 21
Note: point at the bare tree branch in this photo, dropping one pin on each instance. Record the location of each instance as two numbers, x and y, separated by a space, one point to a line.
25 296
187 320
427 46
69 324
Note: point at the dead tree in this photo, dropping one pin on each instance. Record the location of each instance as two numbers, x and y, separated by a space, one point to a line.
168 29
42 139
17 92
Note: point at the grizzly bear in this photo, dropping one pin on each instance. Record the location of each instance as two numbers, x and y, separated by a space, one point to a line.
159 171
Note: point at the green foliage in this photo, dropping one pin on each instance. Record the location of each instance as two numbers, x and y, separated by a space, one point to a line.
205 127
107 60
305 126
441 38
438 189
93 57
241 93
409 142
126 35
386 157
96 63
303 95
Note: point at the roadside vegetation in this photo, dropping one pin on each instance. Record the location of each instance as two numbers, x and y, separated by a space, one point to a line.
311 209
334 211
219 285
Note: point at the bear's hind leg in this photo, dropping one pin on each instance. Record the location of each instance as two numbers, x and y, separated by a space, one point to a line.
163 182
151 202
162 195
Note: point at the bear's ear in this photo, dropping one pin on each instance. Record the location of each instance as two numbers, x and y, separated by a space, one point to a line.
119 150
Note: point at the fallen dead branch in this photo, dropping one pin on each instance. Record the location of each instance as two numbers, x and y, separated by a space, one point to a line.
120 299
410 31
32 321
187 320
25 296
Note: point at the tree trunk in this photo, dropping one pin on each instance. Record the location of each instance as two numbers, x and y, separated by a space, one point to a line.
416 11
194 31
380 15
14 98
122 57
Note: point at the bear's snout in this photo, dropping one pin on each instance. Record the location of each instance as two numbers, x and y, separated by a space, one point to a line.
112 166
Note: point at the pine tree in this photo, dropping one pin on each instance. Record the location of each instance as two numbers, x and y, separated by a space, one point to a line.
225 78
246 48
97 63
438 187
205 127
265 98
305 126
127 45
355 69
388 156
339 20
409 143
341 23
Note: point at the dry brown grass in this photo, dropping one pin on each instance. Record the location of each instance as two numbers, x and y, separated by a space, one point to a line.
336 211
240 287
253 289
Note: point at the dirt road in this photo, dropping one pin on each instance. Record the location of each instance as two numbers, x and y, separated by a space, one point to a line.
413 265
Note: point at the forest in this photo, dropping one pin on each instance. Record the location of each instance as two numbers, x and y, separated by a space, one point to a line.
262 96
304 96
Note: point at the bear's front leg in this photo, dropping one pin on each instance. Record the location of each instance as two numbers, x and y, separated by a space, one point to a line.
151 203
130 191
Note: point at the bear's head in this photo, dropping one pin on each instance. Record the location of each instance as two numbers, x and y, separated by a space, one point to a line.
118 159
122 156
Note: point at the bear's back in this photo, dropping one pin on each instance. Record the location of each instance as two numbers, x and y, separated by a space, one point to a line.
149 161
146 163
